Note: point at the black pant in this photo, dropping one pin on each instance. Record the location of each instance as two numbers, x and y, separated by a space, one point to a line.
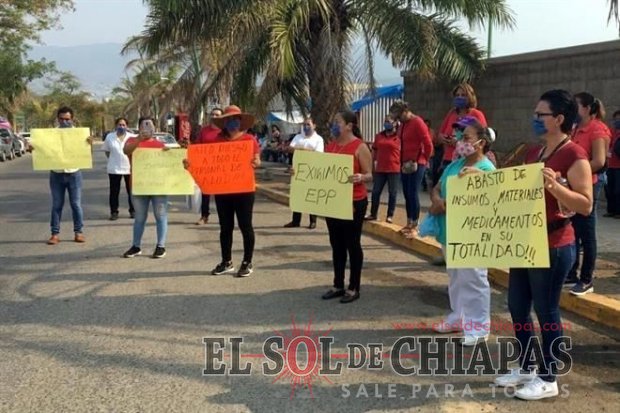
612 191
115 190
204 206
227 206
346 236
297 218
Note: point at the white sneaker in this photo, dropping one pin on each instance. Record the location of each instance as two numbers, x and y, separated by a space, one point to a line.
445 328
515 378
538 389
470 341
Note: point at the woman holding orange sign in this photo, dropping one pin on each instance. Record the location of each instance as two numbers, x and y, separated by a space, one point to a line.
234 124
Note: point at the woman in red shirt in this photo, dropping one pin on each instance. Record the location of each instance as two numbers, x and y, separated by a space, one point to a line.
612 189
386 156
464 103
345 236
593 136
553 119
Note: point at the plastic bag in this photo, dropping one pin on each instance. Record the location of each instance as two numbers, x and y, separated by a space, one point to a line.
194 201
429 227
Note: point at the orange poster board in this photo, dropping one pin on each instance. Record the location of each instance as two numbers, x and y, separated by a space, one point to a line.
223 168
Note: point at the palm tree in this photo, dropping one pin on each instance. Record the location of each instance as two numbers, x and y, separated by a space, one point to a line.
302 49
614 12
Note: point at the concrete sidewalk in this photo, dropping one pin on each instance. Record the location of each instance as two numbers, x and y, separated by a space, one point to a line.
602 306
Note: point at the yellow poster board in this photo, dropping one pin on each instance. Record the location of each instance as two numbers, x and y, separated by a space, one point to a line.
61 148
320 184
160 172
497 219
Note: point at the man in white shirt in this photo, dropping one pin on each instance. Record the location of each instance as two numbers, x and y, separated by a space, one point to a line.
118 168
308 140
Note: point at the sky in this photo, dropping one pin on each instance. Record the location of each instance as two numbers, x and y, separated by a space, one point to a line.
540 24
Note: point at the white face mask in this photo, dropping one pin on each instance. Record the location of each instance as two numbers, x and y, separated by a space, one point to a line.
465 149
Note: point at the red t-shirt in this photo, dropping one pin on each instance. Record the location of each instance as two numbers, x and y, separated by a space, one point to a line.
208 134
386 149
416 143
220 138
446 128
613 160
359 189
584 136
560 162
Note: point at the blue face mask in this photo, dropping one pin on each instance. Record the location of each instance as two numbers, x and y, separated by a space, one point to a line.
538 125
232 125
460 102
388 126
578 119
617 124
121 130
307 130
335 130
65 124
458 135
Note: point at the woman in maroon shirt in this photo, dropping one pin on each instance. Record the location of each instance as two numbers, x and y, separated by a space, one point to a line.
564 160
386 154
345 236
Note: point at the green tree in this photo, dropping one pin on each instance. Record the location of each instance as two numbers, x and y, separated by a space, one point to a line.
16 73
302 49
22 20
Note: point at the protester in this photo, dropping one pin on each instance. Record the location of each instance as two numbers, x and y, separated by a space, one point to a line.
464 103
118 167
273 145
613 172
553 119
469 290
345 235
69 180
233 123
593 136
146 139
208 134
386 157
434 163
309 140
416 150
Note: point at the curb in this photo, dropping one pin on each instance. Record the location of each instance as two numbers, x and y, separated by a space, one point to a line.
596 307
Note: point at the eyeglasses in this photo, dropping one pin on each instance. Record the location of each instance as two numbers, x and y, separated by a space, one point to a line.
539 115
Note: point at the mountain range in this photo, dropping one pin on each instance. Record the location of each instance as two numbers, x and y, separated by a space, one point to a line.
100 67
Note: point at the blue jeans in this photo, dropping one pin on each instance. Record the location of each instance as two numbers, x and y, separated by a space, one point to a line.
411 186
160 210
72 183
585 235
542 287
379 181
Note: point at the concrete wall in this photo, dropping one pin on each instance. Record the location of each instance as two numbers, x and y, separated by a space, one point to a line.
510 87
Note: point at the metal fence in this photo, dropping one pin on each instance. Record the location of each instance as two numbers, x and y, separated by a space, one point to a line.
371 117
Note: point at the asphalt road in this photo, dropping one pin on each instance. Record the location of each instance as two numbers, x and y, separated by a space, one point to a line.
82 329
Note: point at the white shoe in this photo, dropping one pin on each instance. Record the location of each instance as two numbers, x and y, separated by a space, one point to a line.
515 378
470 341
445 328
538 389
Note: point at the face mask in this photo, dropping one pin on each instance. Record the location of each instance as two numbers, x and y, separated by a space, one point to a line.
465 149
460 102
458 135
335 130
388 126
617 124
307 130
539 127
65 124
232 125
578 119
121 130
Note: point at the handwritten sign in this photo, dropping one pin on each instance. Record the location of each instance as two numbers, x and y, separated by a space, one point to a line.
159 172
62 148
320 185
223 168
497 219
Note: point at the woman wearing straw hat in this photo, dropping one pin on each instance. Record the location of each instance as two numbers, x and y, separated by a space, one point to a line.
234 124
